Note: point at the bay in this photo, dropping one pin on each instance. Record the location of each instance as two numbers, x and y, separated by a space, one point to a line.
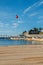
6 42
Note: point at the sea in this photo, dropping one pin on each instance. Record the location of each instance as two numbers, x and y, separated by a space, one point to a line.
7 42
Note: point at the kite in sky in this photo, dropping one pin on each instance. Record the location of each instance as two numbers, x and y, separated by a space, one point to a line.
16 16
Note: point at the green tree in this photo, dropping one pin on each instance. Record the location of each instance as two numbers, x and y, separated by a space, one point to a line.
35 29
40 29
24 32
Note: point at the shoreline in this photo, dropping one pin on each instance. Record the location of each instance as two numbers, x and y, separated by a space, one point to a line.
28 39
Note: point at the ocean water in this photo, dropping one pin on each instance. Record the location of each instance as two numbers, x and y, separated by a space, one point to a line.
6 42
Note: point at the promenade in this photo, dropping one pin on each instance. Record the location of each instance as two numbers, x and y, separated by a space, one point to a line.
21 55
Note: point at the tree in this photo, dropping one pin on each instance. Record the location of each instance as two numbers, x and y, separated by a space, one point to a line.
31 31
35 29
24 32
40 29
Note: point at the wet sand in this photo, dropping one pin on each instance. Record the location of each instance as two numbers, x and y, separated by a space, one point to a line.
21 55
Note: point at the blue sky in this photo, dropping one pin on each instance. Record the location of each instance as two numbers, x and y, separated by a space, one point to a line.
30 14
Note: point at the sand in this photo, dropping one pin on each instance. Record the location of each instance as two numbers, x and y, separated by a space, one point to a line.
21 55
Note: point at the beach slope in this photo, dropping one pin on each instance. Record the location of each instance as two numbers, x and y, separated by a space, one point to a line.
21 55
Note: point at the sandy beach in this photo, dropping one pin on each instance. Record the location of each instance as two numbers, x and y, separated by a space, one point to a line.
21 55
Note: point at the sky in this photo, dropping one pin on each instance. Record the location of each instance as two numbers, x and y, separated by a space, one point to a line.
30 15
